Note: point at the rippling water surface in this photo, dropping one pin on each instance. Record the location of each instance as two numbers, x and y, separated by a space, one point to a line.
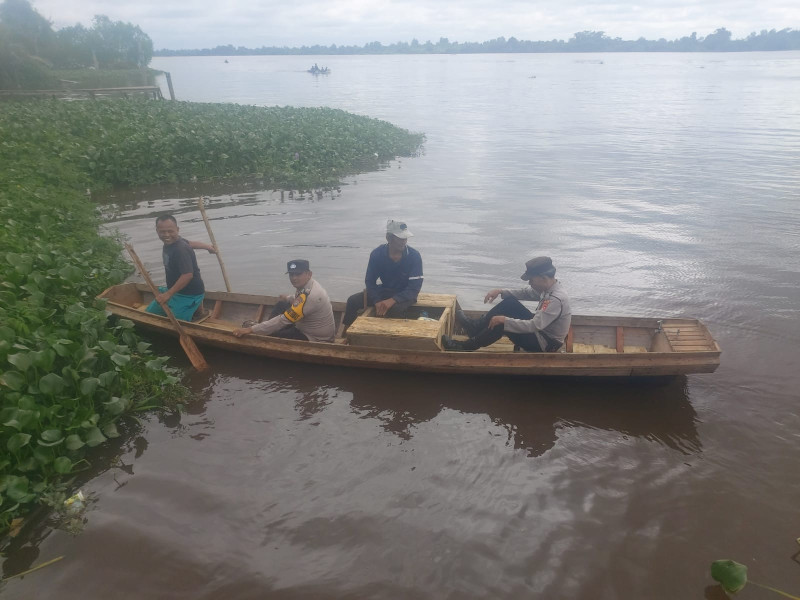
661 184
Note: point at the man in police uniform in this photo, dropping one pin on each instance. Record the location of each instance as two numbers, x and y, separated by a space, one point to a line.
543 330
306 315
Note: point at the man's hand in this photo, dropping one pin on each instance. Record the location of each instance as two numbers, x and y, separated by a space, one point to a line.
242 331
163 298
382 307
497 320
491 296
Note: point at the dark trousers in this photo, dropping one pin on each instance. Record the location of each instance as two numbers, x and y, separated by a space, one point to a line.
290 332
356 303
509 307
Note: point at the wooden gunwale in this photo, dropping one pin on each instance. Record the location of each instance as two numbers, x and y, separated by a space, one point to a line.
216 333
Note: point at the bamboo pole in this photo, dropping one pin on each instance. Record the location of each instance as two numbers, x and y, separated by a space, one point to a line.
214 243
187 343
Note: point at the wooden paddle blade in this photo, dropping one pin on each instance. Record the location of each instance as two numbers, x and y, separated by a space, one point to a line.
193 352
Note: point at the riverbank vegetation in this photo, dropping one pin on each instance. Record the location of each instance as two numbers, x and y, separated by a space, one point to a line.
68 375
583 41
34 56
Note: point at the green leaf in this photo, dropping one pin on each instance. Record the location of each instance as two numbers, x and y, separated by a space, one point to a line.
17 488
13 380
62 465
110 430
21 360
114 406
7 334
108 346
74 442
731 575
89 385
51 384
52 435
94 437
21 418
120 359
107 379
17 441
43 455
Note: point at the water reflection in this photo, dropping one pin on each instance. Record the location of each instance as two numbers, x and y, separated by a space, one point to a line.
141 202
531 412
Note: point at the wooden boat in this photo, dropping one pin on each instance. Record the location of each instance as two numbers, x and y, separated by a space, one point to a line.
595 346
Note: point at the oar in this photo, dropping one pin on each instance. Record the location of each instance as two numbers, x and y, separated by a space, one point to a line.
214 243
187 343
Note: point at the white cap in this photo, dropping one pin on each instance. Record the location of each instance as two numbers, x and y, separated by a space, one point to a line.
398 229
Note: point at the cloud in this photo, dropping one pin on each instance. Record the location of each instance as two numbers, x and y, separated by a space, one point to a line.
255 23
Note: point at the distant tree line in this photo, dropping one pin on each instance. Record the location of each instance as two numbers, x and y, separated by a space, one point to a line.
29 45
584 41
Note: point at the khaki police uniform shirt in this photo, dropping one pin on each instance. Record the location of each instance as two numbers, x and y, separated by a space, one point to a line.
311 312
551 317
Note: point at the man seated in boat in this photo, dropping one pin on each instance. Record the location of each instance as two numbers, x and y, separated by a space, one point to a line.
184 290
306 315
543 330
398 267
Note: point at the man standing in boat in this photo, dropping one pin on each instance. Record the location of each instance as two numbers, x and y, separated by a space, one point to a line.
543 330
184 290
399 268
307 315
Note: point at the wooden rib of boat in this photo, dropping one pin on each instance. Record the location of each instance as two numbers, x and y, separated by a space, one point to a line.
596 345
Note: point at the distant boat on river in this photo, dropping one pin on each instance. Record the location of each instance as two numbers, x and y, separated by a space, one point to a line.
315 70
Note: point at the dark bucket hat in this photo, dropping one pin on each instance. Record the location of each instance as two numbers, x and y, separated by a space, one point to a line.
537 266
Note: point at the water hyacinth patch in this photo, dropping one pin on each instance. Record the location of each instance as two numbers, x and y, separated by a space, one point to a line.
68 374
142 142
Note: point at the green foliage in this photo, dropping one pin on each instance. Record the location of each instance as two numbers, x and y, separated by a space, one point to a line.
731 575
19 69
136 142
68 374
29 46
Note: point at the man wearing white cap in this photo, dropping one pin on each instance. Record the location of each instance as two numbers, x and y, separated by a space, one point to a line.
398 267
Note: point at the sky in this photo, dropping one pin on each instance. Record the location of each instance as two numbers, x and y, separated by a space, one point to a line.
187 24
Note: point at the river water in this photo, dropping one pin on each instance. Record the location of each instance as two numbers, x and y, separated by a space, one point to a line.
661 184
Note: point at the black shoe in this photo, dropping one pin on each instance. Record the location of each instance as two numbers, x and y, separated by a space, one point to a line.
449 343
471 326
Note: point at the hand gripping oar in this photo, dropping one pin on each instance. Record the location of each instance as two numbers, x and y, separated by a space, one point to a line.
187 343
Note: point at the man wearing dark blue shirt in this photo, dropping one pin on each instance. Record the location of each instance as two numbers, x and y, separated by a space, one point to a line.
399 269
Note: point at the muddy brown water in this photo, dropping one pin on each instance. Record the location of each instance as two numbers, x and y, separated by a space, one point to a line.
660 185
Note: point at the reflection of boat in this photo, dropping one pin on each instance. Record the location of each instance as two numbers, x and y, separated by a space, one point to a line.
596 346
315 70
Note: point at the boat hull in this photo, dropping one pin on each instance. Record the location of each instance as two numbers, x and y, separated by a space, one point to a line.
217 333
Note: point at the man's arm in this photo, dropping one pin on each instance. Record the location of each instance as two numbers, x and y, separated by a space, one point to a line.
414 285
371 278
201 246
267 327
